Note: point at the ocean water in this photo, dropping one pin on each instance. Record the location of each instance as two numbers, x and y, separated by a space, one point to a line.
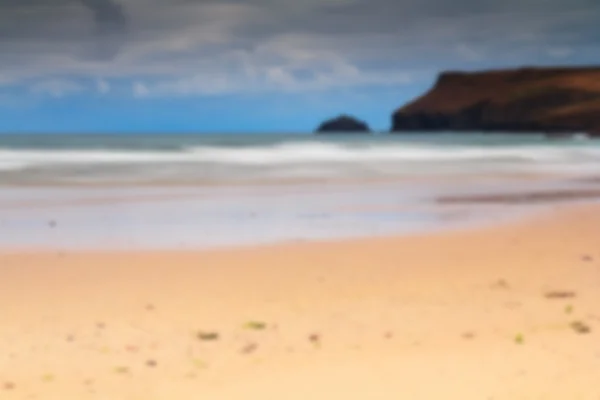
234 159
197 191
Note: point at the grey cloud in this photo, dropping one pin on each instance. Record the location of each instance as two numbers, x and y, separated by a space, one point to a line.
109 16
179 39
419 20
79 28
111 23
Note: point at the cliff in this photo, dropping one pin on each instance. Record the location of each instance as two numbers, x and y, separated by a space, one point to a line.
527 99
343 124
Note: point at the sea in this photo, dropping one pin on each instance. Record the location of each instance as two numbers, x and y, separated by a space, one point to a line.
174 191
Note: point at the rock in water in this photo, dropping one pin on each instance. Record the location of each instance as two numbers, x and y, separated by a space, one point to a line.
343 124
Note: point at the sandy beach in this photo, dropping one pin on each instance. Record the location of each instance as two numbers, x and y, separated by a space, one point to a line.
504 312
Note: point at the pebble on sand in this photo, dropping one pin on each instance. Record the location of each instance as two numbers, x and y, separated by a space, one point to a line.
500 284
560 294
249 348
132 348
314 338
468 335
207 336
519 338
121 370
255 325
569 309
580 327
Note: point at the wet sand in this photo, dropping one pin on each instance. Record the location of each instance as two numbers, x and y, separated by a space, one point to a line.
525 197
504 312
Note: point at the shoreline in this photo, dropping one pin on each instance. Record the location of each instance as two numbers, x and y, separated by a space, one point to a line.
249 184
367 318
156 218
440 230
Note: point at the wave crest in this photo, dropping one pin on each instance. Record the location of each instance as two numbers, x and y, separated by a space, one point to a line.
302 159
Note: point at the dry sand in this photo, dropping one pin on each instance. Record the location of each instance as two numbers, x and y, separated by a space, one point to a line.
477 314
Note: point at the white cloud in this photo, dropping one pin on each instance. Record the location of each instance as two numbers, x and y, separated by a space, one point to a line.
559 52
56 88
469 53
140 89
102 86
278 66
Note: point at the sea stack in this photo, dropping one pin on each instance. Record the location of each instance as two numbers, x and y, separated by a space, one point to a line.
343 124
548 100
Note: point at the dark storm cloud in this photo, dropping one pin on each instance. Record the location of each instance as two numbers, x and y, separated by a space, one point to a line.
109 16
417 21
111 24
18 18
83 28
461 18
177 39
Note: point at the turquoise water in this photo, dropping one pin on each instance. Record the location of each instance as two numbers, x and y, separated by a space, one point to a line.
197 191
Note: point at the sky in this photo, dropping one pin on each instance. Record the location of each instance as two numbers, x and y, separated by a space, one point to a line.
261 65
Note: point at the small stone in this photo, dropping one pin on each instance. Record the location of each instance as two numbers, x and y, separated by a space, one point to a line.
255 325
559 294
587 258
314 338
207 336
9 386
132 349
122 370
468 335
151 363
249 348
519 339
580 327
569 309
500 284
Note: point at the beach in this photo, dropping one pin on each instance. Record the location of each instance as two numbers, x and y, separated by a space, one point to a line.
508 311
283 267
278 200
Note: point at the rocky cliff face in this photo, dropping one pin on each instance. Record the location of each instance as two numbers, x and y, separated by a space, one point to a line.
343 124
528 99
